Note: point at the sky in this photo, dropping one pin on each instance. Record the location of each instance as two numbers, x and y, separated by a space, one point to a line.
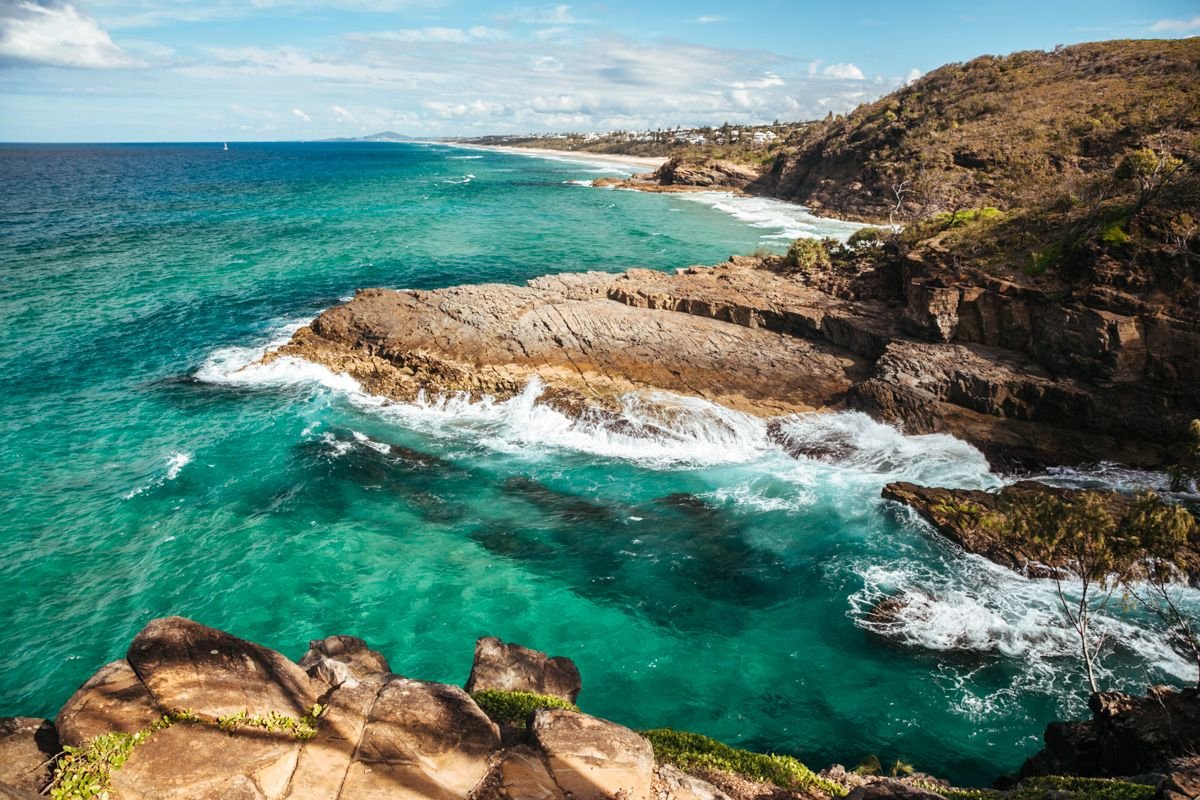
212 70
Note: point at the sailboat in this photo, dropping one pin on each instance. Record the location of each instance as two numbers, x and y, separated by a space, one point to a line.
226 145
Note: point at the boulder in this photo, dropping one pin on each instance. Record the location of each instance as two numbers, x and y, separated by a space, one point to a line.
27 749
335 660
186 665
1126 735
513 668
888 789
325 759
672 783
591 758
114 699
522 775
190 761
422 740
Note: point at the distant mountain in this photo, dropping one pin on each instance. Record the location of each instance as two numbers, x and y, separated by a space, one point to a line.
382 136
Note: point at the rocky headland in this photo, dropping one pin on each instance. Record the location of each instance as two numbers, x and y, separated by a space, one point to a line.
1027 375
194 712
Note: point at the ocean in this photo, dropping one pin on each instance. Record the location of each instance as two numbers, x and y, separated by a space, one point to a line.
701 579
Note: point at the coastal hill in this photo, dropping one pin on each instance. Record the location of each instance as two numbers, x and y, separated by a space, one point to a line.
1002 131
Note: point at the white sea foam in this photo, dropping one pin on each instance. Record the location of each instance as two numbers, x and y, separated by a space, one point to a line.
176 461
463 158
782 220
981 608
579 183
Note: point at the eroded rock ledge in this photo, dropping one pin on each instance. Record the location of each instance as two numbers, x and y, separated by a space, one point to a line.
1023 374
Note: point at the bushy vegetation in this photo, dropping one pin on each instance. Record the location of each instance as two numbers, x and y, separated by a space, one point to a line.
692 751
1185 472
809 255
1065 788
515 708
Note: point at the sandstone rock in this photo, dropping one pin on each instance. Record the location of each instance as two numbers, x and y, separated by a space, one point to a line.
9 792
513 668
114 699
186 665
27 749
325 759
523 775
189 761
593 759
335 660
672 783
891 790
422 740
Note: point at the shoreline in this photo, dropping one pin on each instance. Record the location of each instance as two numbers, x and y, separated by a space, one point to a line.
642 164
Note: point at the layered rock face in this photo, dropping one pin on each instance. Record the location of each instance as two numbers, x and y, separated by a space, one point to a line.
1025 376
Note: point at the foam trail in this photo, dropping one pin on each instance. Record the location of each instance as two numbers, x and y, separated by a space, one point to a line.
785 221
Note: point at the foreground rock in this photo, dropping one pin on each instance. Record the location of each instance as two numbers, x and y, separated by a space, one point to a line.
1022 373
513 668
1127 735
27 749
974 520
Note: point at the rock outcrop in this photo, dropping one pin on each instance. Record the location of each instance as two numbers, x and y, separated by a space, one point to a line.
975 521
1028 377
1127 735
513 668
214 717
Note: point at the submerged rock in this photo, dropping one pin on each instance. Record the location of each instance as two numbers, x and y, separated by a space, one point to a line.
513 668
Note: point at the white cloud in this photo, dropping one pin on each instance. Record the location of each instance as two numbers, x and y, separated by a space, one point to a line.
844 71
59 36
1176 25
912 76
434 35
707 20
342 114
300 115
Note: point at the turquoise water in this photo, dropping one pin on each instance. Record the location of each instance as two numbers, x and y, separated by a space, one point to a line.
700 577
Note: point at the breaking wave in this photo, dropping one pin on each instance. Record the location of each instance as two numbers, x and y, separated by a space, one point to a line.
176 461
784 221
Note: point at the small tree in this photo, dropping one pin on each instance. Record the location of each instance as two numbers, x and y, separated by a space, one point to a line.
1162 533
1150 170
1076 537
1186 470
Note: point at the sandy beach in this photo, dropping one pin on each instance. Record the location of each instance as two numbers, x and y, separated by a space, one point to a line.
637 163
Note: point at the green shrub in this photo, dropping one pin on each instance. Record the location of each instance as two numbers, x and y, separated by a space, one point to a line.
965 216
1045 259
85 772
693 751
1115 235
807 255
514 708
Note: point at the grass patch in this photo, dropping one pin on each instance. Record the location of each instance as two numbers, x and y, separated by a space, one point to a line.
693 751
514 708
1114 235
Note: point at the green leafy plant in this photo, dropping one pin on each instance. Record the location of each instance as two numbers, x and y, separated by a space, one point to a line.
514 708
693 751
85 772
302 728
